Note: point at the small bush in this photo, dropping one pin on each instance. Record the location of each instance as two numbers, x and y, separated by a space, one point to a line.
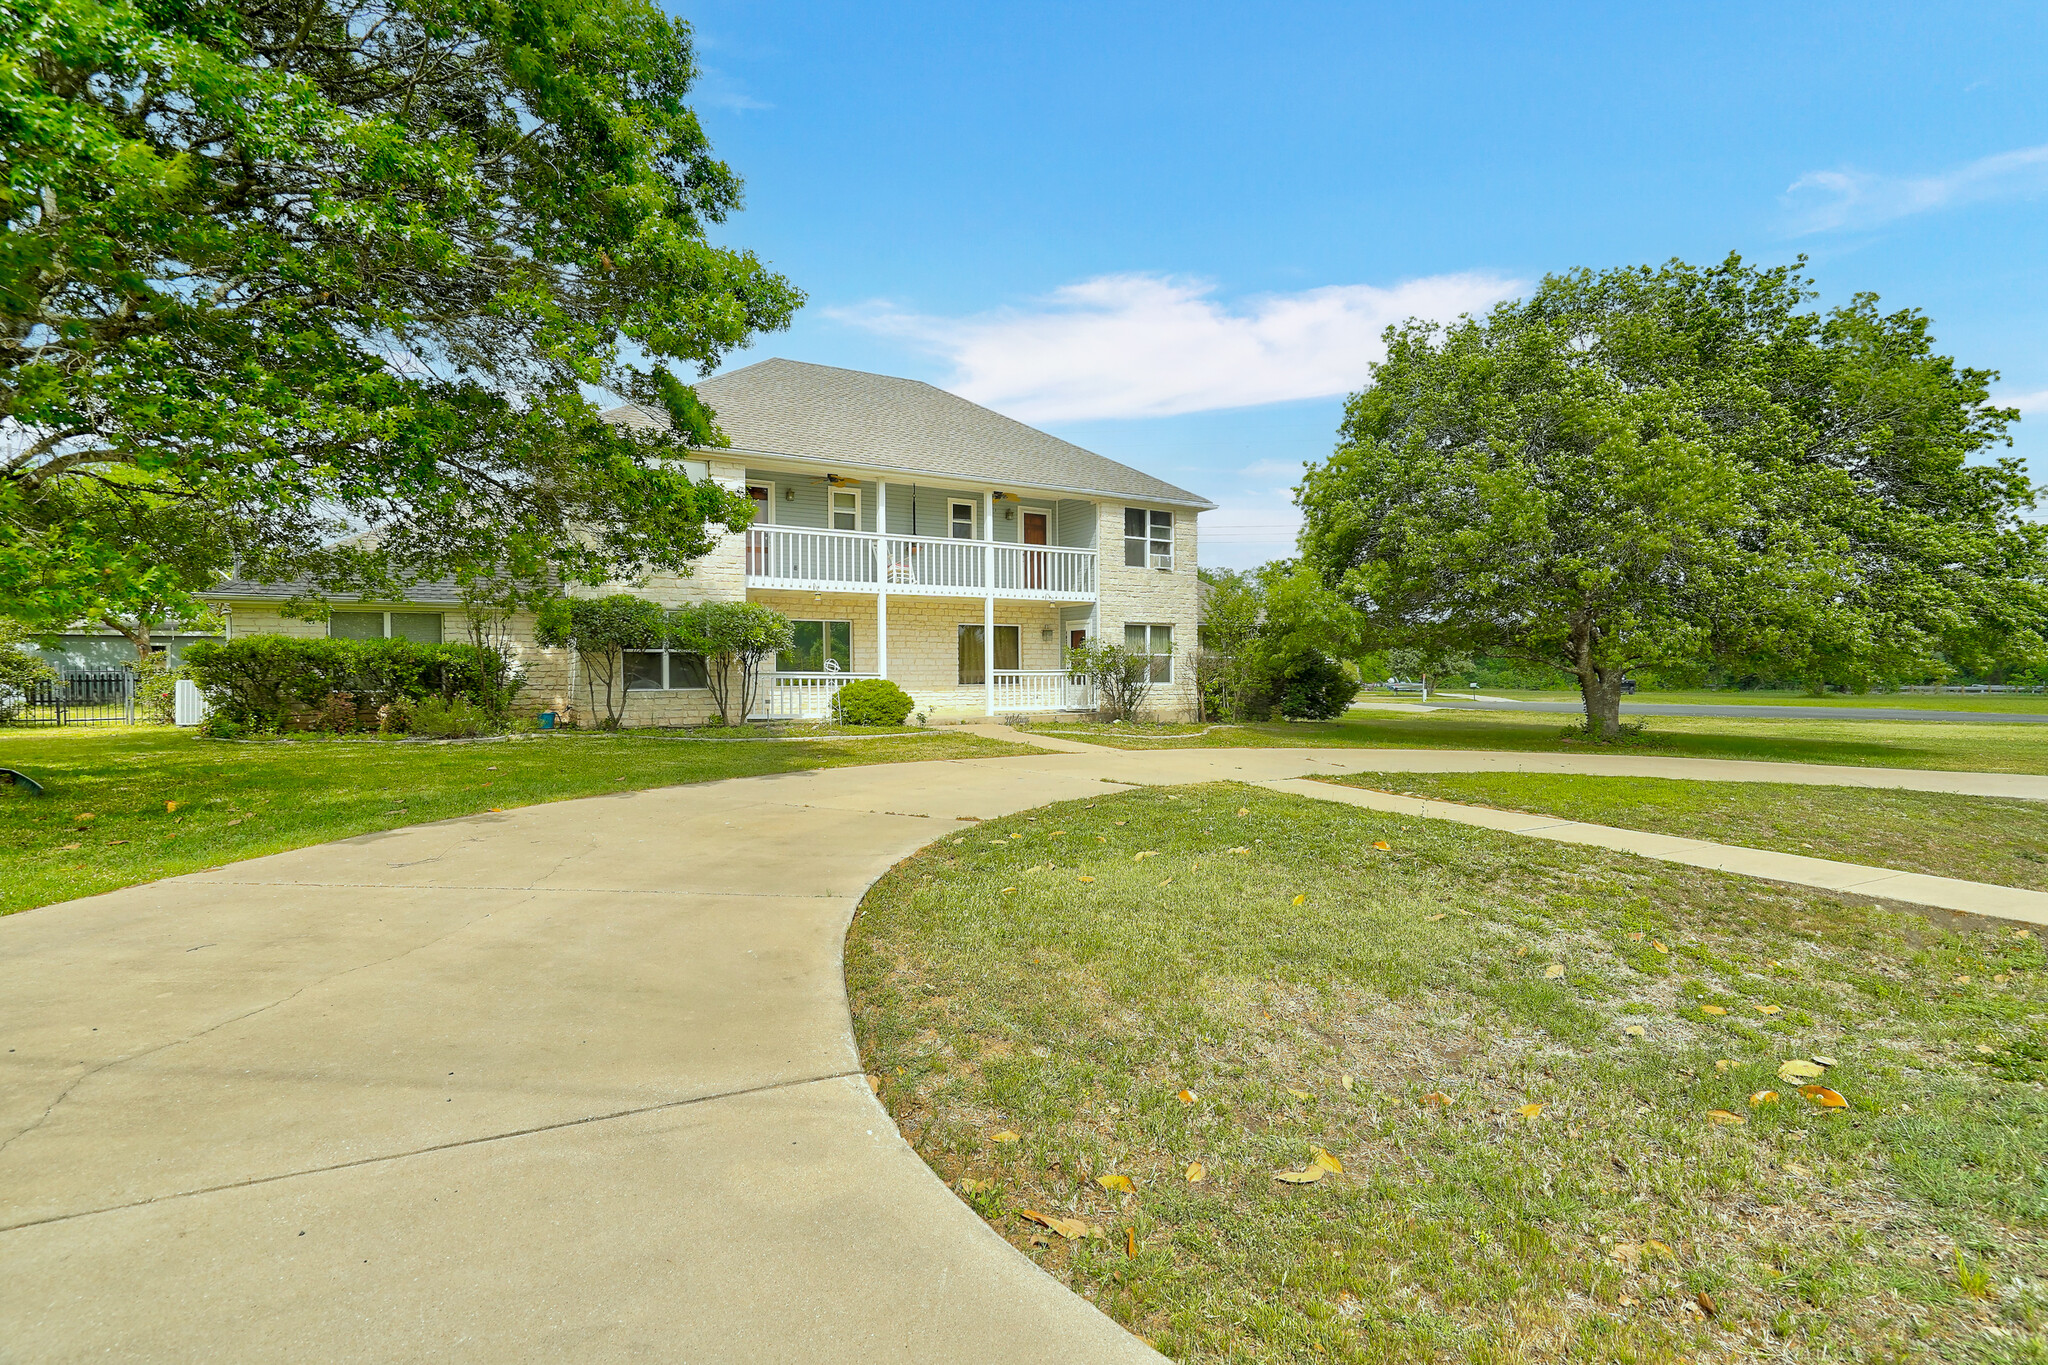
394 717
451 718
156 690
873 701
1316 688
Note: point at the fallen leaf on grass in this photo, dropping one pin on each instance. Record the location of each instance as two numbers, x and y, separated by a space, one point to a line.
1724 1116
1657 1248
1658 946
1167 882
1530 1110
1635 937
1185 1096
976 1186
84 816
1302 899
1298 1094
1436 1099
170 805
66 848
1239 849
1130 1241
1005 1136
1824 1097
1244 810
1799 1069
1432 919
1087 879
1724 1065
1141 856
1712 1009
1069 1228
1766 1009
1197 1173
1307 1175
1326 1161
112 842
1706 1303
1382 845
1120 1183
1636 1031
1763 1097
1824 1061
1553 971
1345 1081
875 1085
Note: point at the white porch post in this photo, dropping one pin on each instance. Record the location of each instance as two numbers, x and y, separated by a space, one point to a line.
988 602
1095 607
882 578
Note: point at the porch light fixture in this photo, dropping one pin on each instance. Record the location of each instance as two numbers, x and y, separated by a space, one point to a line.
1009 514
1045 632
789 494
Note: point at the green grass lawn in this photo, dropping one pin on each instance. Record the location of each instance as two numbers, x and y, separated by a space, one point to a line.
1912 701
2015 747
1983 839
1514 1051
108 819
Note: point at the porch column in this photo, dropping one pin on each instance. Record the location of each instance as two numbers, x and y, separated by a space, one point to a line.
988 602
882 578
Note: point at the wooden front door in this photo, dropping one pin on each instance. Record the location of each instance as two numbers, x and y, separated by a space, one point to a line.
1034 564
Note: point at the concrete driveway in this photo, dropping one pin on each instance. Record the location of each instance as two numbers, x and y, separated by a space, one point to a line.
568 1082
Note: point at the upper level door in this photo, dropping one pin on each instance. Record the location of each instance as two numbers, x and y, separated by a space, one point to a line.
1035 524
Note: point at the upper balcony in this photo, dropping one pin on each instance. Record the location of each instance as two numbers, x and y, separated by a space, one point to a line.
810 560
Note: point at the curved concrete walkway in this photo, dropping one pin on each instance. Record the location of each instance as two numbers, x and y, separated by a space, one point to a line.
568 1082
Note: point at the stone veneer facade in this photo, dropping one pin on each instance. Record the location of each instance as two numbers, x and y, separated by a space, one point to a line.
923 631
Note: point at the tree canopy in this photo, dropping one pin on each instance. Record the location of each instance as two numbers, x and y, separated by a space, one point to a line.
320 267
1674 466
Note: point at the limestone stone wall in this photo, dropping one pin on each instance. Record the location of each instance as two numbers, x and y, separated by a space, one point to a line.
1148 596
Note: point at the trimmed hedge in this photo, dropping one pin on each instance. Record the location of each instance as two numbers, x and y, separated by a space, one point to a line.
873 701
276 682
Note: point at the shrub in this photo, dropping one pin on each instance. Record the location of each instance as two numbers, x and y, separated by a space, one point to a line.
394 717
1122 677
19 669
451 718
873 701
735 639
602 629
156 690
270 682
1315 687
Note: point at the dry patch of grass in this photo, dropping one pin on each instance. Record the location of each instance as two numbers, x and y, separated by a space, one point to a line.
1512 1051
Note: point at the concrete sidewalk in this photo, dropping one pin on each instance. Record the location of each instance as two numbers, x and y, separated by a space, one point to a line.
572 1081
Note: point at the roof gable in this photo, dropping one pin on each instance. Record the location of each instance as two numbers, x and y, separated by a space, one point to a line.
826 414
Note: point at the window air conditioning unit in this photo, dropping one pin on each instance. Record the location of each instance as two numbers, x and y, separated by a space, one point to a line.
1162 561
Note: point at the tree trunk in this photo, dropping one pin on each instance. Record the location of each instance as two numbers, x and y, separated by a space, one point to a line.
1599 686
136 633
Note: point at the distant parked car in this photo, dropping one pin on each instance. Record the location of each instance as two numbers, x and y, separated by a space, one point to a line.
1628 687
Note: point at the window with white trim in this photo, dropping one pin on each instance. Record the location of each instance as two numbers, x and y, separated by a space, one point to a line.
663 670
963 520
1156 641
845 504
421 627
817 647
1148 539
974 652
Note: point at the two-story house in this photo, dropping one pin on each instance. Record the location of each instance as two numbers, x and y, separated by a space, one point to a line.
909 534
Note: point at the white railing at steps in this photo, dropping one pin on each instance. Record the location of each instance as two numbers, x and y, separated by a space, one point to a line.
801 696
1042 691
803 558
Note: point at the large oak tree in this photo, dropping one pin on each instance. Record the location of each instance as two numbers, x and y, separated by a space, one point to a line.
1669 467
315 268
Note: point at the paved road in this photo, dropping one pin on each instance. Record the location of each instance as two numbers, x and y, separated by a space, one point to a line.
575 1081
1770 712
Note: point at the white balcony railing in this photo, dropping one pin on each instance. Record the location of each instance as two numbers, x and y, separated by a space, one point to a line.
1042 691
810 560
801 696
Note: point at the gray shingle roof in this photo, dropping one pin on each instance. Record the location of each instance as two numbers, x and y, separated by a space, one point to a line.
850 417
429 594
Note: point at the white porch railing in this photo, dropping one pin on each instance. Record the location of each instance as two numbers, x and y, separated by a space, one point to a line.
1042 691
801 696
810 560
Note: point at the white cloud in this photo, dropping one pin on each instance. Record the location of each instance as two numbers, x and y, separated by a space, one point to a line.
1824 201
1240 535
1143 345
2027 403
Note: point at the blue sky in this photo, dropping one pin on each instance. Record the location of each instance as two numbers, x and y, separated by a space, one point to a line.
1172 233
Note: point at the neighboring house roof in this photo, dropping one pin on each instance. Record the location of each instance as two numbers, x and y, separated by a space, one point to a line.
823 414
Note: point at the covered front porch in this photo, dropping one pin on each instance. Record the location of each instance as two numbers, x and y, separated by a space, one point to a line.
956 657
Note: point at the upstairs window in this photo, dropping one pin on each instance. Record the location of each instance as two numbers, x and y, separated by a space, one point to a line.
963 521
845 509
1148 539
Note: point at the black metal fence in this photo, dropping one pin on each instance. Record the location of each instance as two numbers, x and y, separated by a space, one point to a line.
106 698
